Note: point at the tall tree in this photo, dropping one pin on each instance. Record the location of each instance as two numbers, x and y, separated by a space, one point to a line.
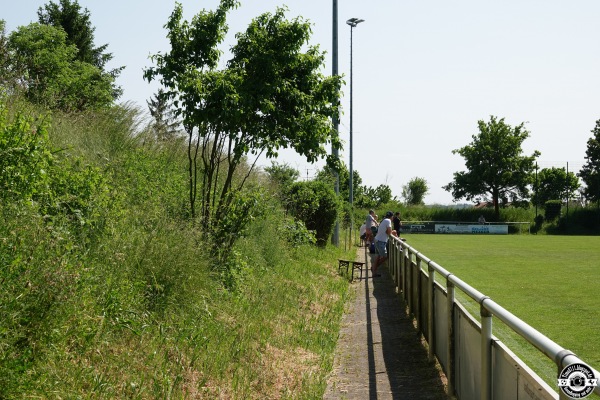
590 172
50 74
554 184
270 96
327 174
165 124
76 22
9 77
414 191
495 165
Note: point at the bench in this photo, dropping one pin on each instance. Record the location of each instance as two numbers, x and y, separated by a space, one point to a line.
351 264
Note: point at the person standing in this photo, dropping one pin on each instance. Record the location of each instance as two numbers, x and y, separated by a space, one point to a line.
397 223
383 233
370 222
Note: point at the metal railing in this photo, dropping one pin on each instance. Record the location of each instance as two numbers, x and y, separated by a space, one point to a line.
485 370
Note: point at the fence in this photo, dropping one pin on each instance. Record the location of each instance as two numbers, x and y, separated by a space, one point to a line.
476 363
430 226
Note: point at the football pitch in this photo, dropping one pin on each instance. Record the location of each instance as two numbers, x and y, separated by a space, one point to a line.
550 282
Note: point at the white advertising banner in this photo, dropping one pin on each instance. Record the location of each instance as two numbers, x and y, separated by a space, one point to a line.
472 229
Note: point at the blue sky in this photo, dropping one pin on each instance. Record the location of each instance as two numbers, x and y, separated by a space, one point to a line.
425 71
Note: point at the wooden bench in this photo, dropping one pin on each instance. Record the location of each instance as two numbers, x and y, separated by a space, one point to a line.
351 264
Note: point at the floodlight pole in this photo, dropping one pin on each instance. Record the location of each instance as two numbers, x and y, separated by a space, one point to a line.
352 22
335 238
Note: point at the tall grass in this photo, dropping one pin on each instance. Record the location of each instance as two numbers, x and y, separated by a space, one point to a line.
126 303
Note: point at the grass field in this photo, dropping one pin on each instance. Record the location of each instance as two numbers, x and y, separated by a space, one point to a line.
550 282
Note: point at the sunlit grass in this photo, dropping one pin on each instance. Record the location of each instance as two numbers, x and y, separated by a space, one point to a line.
547 281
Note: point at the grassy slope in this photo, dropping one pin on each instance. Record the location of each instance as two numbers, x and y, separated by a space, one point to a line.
128 307
547 281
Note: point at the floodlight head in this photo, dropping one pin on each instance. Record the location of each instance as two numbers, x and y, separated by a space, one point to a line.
354 21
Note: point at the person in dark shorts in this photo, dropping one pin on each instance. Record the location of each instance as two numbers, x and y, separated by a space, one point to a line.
383 233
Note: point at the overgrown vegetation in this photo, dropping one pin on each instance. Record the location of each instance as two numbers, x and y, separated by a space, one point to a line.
107 287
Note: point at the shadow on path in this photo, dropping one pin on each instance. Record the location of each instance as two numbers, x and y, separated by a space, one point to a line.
379 353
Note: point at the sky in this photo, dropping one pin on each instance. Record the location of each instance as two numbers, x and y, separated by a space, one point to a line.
424 73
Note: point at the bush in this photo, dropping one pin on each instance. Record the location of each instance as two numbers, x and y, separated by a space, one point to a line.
24 157
552 208
315 204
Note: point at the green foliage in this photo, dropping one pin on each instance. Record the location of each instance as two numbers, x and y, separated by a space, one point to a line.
590 172
165 126
282 176
24 157
315 204
552 209
76 23
271 95
554 184
244 207
414 191
52 76
495 165
296 233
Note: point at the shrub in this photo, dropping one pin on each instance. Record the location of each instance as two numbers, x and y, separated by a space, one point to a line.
552 208
315 204
24 156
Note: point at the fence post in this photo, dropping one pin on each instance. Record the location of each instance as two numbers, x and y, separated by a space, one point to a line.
418 291
430 313
409 282
450 355
486 352
405 267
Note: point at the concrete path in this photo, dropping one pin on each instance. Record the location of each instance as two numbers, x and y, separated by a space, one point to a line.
379 353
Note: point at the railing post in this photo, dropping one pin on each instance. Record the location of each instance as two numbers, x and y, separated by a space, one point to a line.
397 250
486 352
418 294
450 355
409 281
405 273
430 313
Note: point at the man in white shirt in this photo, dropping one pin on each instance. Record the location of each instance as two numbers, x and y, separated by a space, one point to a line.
381 239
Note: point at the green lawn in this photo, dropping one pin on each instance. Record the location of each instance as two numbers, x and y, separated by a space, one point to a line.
550 282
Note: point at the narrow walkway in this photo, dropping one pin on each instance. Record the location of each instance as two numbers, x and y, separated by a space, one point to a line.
379 353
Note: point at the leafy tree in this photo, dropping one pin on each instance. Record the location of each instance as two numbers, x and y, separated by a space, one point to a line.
165 125
326 174
76 23
271 95
383 194
590 172
283 176
414 191
50 74
495 165
315 204
553 184
9 77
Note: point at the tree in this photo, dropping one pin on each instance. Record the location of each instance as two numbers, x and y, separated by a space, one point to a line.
283 175
327 174
315 204
165 125
50 74
9 76
414 191
590 172
270 96
80 33
554 184
495 165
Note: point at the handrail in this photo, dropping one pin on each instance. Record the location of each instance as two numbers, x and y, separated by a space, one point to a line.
559 355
